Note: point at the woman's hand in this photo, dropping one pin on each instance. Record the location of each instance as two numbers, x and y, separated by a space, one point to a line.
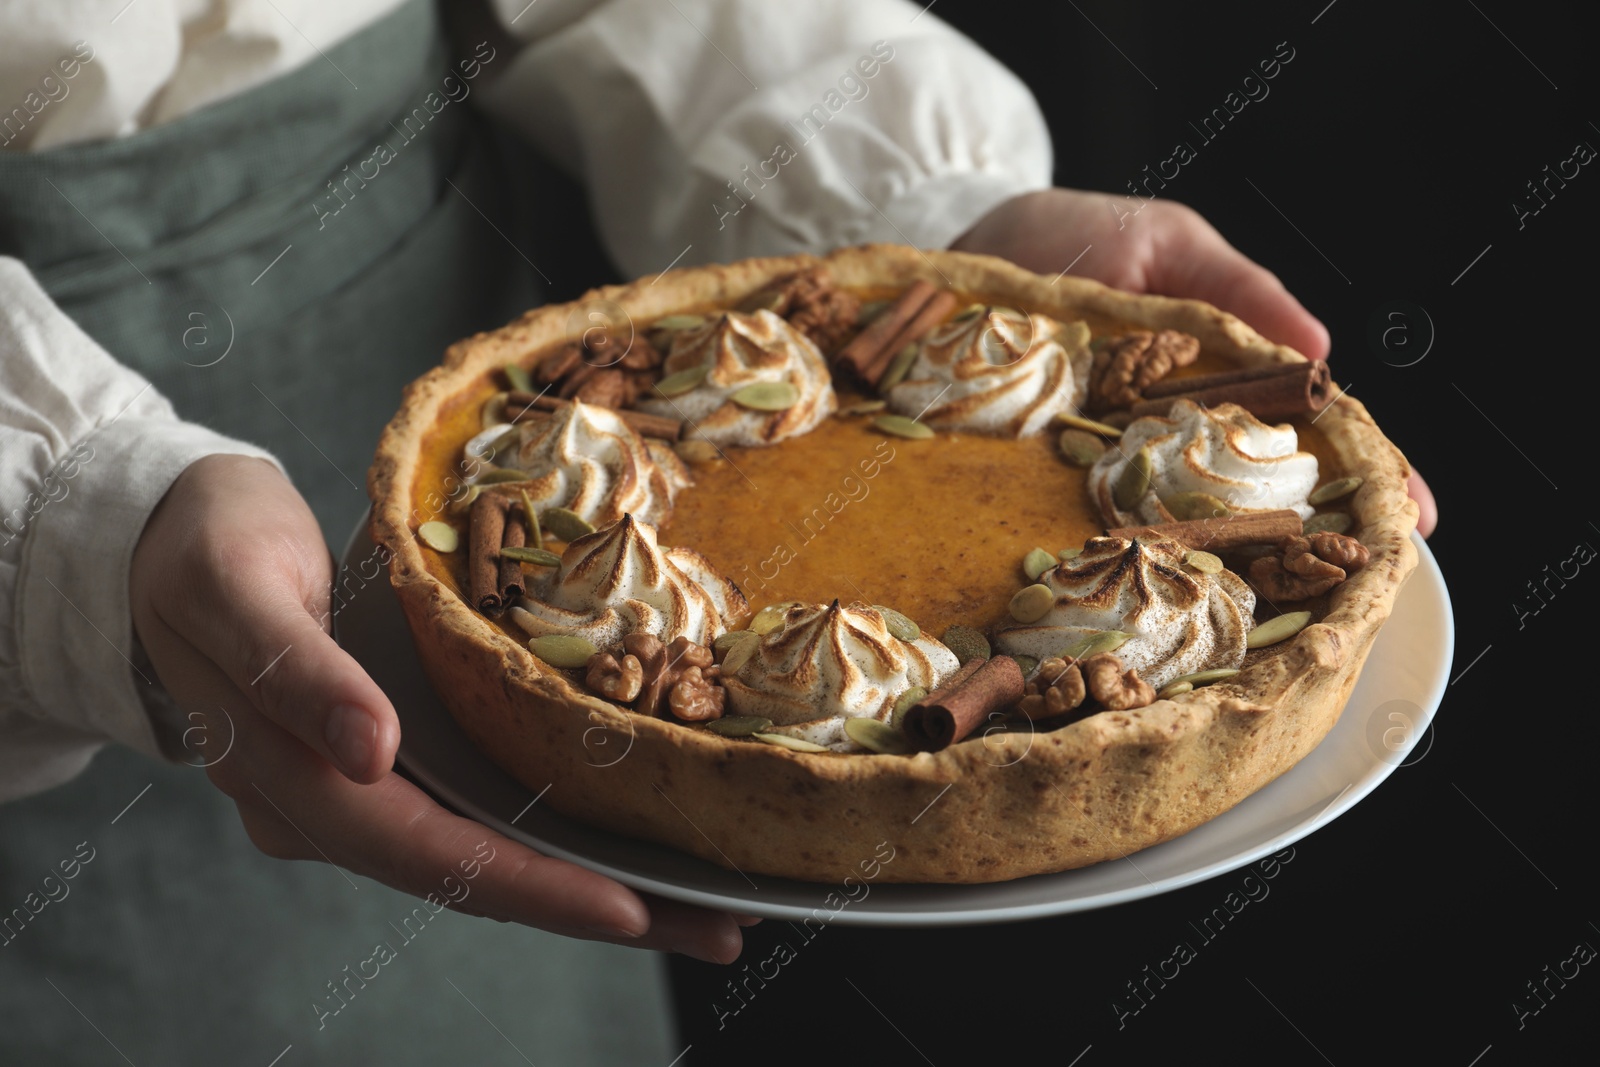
230 591
1166 248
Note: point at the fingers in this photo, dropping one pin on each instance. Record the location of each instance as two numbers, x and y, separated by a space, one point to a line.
1427 507
1191 259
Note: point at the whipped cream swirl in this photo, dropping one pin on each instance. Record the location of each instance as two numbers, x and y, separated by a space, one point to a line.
586 459
825 663
1182 621
618 581
738 350
1224 451
1000 371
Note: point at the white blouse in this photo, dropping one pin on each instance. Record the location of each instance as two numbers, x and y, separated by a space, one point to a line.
703 130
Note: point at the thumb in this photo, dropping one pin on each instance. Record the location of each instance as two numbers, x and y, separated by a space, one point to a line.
300 678
1199 263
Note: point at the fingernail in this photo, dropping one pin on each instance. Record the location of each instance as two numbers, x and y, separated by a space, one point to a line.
352 736
704 955
746 920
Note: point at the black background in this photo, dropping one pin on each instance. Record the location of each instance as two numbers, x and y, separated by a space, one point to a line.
1396 141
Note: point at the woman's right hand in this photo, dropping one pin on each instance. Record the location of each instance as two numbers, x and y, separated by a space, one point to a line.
230 590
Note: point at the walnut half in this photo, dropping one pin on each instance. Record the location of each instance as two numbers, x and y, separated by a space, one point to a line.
1135 360
1056 689
1113 687
1307 566
665 667
813 305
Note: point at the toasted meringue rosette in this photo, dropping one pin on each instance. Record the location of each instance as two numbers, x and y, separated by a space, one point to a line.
999 371
619 581
1181 620
1222 451
825 663
588 460
738 350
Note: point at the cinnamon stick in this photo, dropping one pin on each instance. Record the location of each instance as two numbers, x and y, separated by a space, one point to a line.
1221 534
509 581
1195 382
643 423
932 314
1279 391
868 346
487 521
970 696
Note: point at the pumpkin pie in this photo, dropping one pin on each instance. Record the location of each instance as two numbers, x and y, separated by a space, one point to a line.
776 561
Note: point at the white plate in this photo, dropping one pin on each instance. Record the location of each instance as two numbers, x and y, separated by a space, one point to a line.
1389 711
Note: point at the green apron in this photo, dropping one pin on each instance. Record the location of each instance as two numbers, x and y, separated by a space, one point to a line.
280 279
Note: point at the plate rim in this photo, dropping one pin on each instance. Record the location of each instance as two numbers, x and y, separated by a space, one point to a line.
864 913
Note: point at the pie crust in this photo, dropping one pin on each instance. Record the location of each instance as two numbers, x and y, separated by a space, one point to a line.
986 809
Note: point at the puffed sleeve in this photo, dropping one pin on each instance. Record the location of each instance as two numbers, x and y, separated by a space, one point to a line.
717 129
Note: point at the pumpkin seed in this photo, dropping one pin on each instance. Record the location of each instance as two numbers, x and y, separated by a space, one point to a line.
439 536
566 525
1134 481
539 557
762 300
493 412
739 654
497 475
1036 563
904 702
900 426
1172 689
673 323
1073 336
870 310
1027 663
1199 678
682 382
696 451
899 367
876 736
897 624
865 407
771 617
517 375
1094 644
1032 603
1204 562
562 650
531 513
794 743
739 725
1329 522
507 440
1279 629
767 396
1078 422
1080 447
966 643
1070 553
727 640
1189 506
969 312
1334 490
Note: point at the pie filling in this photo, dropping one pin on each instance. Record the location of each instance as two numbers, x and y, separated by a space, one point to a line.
867 522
